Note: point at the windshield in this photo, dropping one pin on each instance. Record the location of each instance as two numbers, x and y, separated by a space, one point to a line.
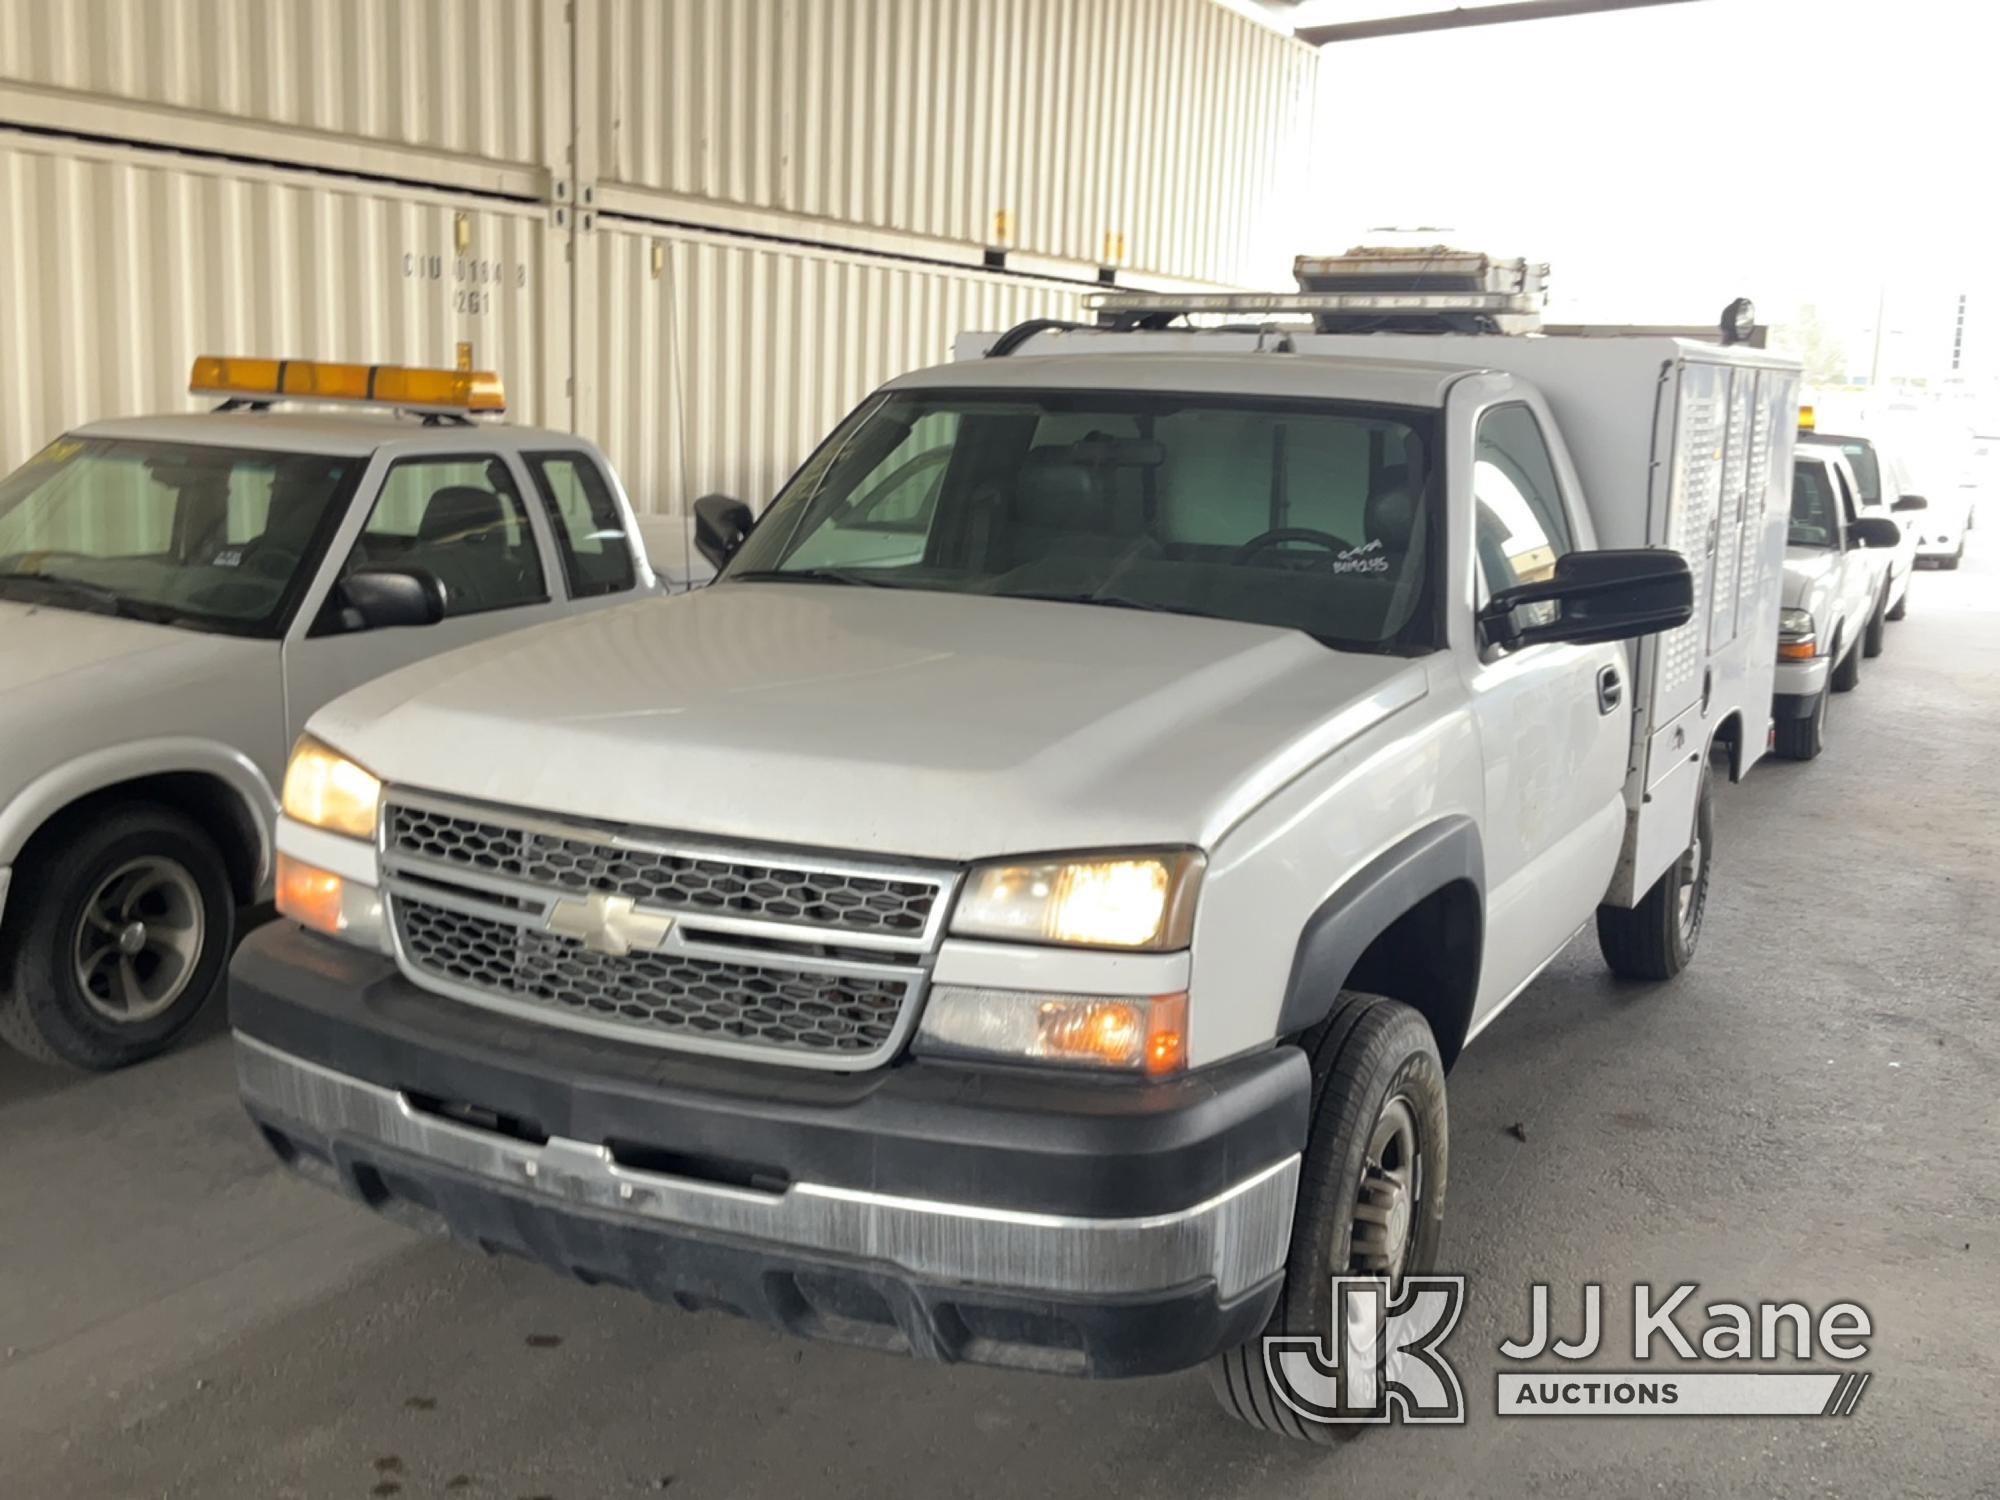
1813 513
212 538
1306 515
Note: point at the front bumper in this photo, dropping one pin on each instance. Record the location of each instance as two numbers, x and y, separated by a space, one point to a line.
1796 684
984 1215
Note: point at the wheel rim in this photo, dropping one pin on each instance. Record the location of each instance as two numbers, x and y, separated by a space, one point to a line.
1690 879
138 940
1384 1225
1693 891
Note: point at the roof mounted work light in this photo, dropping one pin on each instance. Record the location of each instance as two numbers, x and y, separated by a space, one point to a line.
259 382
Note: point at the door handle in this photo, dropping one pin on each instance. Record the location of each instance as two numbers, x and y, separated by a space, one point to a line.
1610 691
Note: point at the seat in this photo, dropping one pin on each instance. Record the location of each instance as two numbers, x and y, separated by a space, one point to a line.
462 539
1389 515
463 512
1060 509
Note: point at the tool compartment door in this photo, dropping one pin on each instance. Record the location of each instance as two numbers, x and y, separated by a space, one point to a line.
1701 421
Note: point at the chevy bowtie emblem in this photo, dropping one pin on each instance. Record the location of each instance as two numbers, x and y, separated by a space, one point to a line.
609 924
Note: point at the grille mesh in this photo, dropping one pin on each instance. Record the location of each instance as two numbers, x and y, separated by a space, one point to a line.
740 1002
668 881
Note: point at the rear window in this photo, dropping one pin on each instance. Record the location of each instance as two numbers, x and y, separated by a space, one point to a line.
1867 472
1814 522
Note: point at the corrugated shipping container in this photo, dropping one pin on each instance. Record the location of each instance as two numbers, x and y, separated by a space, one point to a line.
474 79
716 364
117 267
1163 135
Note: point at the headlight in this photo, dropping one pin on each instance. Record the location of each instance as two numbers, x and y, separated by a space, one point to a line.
1102 901
1794 623
1131 1033
324 789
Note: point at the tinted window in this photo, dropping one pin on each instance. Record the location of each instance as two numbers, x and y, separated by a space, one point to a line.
1867 471
590 532
209 538
462 519
1303 515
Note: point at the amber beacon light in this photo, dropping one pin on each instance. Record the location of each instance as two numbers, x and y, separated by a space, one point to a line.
453 392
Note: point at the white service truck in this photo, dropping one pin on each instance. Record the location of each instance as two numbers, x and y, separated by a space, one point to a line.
179 592
1024 910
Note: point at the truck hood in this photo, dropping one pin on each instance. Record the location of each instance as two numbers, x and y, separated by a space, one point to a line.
885 721
1807 569
74 684
39 642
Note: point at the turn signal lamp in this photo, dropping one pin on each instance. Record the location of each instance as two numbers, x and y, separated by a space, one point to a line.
454 392
330 903
1144 1034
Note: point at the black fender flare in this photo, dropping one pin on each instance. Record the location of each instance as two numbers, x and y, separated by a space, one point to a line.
1368 903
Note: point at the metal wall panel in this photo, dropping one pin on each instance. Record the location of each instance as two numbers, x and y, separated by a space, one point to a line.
721 363
468 78
117 267
1166 136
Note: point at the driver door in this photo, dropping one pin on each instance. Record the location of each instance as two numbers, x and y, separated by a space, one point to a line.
1554 720
463 517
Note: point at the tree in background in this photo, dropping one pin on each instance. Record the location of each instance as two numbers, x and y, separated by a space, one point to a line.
1816 344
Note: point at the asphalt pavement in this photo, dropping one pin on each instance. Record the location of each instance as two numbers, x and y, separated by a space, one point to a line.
1811 1113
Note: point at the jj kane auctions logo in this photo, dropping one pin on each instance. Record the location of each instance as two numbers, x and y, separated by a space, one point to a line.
1381 1360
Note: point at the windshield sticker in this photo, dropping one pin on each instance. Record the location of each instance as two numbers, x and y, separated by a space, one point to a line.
1366 558
58 451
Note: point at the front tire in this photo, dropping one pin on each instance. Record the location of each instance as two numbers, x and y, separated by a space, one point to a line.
1902 608
1803 738
1656 939
1873 633
1847 671
1371 1191
125 929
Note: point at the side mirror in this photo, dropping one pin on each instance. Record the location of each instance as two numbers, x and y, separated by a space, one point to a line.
1612 595
720 525
376 598
1911 502
1874 531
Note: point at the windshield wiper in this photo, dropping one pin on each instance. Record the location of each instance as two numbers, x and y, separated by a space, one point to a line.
93 596
860 579
1111 601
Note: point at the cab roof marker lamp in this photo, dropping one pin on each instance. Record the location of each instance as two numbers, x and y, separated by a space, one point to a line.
261 381
1807 417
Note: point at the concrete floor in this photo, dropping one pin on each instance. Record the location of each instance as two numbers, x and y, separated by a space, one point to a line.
1812 1112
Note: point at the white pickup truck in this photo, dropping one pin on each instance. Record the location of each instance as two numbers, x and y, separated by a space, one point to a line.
1024 912
1836 596
178 593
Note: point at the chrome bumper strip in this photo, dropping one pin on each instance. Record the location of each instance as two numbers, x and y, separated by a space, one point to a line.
1238 1238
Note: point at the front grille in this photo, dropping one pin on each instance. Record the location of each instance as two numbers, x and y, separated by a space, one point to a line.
665 879
817 961
697 997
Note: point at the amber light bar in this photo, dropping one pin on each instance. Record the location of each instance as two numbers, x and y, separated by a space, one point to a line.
413 389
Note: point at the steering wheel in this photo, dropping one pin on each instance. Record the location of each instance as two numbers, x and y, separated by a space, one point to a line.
1278 537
